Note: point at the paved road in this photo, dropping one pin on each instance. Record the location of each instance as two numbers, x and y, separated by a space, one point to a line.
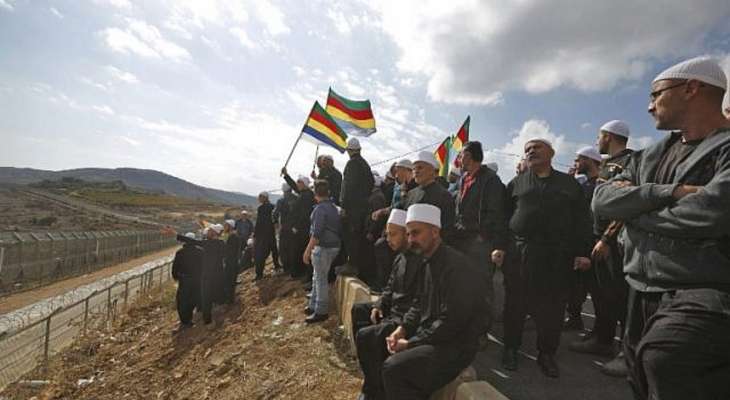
579 375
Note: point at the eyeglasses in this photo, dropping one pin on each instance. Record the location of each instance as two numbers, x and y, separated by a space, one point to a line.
653 95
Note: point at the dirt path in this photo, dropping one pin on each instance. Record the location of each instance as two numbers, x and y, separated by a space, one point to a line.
22 299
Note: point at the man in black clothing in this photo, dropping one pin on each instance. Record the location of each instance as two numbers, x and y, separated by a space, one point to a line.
371 274
431 192
440 333
211 277
244 227
264 236
282 216
186 268
300 224
329 173
607 255
481 221
357 185
232 261
673 199
551 227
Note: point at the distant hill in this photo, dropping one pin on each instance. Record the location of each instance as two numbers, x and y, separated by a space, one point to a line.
145 179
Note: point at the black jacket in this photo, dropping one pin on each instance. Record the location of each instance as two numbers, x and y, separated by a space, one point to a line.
302 207
674 244
187 263
482 211
376 202
450 308
357 184
233 251
402 287
436 195
212 259
264 221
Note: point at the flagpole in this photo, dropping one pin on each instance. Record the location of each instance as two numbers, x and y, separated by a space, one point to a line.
316 154
301 132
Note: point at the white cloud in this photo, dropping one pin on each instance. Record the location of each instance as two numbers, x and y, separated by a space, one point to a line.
123 76
242 37
586 125
55 12
6 5
143 39
104 109
95 84
272 17
639 142
130 141
471 51
121 4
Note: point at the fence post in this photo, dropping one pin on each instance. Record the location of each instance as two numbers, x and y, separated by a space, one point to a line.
126 293
86 312
47 343
108 303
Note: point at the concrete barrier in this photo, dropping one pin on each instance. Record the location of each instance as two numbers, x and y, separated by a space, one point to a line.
349 290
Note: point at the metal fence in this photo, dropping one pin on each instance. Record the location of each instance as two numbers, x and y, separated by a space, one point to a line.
32 346
29 260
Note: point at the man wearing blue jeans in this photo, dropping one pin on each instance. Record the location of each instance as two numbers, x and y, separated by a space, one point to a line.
325 236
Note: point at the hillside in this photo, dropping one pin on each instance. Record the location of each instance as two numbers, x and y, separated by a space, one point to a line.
145 179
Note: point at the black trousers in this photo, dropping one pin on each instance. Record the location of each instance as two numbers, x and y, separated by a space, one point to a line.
677 344
612 291
263 247
416 373
296 252
285 242
536 280
209 292
480 252
187 298
360 317
371 354
230 274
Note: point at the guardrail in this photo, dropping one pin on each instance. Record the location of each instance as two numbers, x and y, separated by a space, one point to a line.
31 346
31 259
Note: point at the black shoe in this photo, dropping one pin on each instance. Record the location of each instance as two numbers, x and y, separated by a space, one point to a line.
509 359
363 396
183 326
592 346
573 324
308 311
316 318
547 365
616 367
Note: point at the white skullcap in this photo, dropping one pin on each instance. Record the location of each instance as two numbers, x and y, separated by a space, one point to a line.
493 166
244 212
589 152
231 222
285 187
205 231
397 217
353 144
456 171
703 69
377 180
190 235
249 242
542 140
218 228
404 163
264 194
617 127
328 157
425 213
581 178
303 179
426 157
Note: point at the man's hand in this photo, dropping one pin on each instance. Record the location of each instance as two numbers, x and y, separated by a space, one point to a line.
683 190
600 251
168 230
283 171
313 175
307 256
392 340
376 315
400 345
498 257
621 184
582 264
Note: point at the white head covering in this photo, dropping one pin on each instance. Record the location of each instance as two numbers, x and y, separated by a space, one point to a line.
231 222
328 157
205 231
581 178
590 152
353 144
427 157
424 213
244 212
303 179
617 127
397 217
455 170
190 235
404 163
542 140
264 194
493 166
703 69
249 242
377 180
285 187
218 228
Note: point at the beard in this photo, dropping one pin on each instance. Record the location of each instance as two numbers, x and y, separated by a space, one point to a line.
415 248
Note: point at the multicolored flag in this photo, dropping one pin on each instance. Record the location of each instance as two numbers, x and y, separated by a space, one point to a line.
443 153
321 127
462 136
355 116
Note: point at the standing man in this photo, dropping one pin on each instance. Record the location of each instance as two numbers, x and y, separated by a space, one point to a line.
357 185
282 218
329 173
244 227
233 260
551 227
674 200
481 220
264 236
186 269
608 253
301 211
431 192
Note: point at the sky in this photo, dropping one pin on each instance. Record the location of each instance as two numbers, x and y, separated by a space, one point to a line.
216 91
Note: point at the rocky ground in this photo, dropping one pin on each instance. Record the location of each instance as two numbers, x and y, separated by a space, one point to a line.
259 349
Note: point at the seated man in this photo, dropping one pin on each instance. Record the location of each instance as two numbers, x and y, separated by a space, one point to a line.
439 336
373 322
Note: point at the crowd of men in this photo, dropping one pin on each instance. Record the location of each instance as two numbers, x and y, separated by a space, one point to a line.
646 233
